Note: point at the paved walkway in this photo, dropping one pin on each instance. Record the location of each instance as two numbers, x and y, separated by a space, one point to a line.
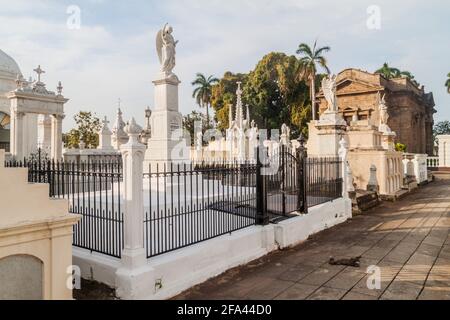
408 240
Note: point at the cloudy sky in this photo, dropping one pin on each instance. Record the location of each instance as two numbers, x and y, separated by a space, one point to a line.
112 55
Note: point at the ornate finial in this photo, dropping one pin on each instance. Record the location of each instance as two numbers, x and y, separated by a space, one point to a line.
59 88
239 91
119 102
39 71
132 128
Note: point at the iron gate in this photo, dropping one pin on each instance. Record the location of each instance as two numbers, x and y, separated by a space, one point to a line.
281 181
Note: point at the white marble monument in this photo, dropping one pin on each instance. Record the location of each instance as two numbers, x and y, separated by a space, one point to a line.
325 133
28 101
166 120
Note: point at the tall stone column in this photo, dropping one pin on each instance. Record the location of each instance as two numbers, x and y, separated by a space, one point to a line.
30 133
45 131
17 136
56 137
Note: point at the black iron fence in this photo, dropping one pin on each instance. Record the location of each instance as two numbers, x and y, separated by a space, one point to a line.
187 204
323 180
94 191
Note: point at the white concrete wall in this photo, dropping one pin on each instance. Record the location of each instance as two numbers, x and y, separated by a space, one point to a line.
293 231
181 269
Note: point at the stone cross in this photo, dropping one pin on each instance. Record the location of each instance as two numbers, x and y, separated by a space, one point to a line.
39 71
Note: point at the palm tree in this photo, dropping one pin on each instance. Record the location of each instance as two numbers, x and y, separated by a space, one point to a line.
447 83
309 61
389 72
203 91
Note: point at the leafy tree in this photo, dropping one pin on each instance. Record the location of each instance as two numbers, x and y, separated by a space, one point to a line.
274 92
88 126
442 127
189 124
203 91
223 95
310 60
400 147
447 83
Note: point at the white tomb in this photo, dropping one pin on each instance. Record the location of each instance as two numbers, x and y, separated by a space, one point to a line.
163 147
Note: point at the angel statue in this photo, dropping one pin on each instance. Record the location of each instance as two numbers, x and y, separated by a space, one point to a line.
165 46
384 115
329 91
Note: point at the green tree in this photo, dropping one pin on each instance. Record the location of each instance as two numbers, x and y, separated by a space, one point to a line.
400 147
88 126
223 95
310 60
388 72
203 91
442 127
447 83
273 91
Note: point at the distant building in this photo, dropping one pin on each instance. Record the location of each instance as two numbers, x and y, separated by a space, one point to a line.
9 70
410 108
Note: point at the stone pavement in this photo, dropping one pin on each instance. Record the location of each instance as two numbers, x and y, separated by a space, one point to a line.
408 240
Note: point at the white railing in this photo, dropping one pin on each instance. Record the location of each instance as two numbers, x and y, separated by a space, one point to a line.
433 162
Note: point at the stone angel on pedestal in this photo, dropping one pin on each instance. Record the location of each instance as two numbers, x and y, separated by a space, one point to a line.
166 48
384 115
329 92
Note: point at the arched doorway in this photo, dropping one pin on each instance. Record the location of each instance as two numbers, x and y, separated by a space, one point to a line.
5 127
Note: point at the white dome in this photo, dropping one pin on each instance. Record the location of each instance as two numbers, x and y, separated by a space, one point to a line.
8 67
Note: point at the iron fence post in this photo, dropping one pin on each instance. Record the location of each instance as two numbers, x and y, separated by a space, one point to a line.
302 196
262 218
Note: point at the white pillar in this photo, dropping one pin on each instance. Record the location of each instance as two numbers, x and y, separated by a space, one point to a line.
16 138
56 138
133 156
135 278
44 132
30 134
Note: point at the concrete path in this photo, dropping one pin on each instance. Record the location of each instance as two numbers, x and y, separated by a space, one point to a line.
408 240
